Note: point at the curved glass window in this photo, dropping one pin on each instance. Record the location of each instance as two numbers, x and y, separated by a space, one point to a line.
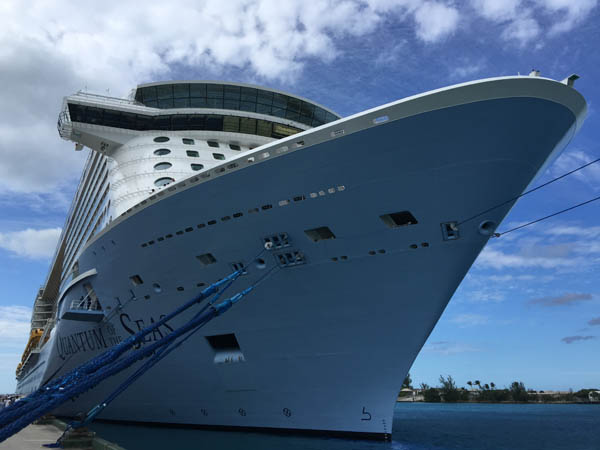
188 141
163 181
116 121
179 122
197 167
239 98
162 151
234 147
218 156
213 144
192 153
163 166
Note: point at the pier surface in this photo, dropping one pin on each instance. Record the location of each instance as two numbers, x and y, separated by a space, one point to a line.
34 436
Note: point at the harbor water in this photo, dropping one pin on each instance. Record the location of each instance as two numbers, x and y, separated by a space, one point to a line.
417 426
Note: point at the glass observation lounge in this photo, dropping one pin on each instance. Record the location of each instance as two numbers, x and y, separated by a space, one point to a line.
232 97
179 122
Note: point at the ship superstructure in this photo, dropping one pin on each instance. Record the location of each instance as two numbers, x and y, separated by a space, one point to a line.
185 181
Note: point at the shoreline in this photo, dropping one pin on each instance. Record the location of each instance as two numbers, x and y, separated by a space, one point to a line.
502 403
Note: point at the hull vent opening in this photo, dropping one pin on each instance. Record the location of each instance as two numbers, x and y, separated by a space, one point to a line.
450 231
319 234
276 241
290 258
399 219
239 266
207 259
226 347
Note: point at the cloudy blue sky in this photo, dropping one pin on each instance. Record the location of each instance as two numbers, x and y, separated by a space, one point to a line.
528 310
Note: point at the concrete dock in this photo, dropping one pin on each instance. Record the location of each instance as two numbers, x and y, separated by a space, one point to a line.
48 431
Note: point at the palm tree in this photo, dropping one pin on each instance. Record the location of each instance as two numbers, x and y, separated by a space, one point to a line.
478 383
470 383
492 385
486 387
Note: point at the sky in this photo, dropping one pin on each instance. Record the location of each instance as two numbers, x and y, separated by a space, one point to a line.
529 308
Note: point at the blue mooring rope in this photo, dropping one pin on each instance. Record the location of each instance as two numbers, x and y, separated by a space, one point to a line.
93 372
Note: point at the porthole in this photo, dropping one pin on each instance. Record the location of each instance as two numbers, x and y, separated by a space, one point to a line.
197 166
162 151
234 147
163 181
157 288
161 139
220 156
163 166
213 144
187 141
192 153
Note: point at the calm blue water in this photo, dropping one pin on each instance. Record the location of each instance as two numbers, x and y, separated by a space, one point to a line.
417 426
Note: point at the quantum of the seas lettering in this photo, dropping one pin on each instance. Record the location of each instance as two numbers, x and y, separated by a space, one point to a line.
85 341
132 326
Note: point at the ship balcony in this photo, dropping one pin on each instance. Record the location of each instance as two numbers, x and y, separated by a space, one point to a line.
86 309
39 323
64 125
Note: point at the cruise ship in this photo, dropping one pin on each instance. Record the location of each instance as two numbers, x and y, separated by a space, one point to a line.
363 219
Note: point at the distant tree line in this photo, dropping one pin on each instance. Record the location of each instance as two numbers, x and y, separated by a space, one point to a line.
448 391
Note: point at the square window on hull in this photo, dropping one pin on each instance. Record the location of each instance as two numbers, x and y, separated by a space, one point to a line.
398 219
226 347
207 259
319 234
223 342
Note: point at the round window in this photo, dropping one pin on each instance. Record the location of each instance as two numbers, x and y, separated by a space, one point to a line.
163 181
197 167
162 151
163 166
161 139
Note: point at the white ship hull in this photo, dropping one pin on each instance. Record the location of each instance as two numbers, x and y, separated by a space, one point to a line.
325 344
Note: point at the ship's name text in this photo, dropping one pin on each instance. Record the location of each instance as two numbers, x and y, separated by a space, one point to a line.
84 341
133 326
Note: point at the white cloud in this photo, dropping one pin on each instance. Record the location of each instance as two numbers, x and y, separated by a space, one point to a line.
519 23
30 243
522 29
469 320
574 230
466 70
449 348
486 295
435 21
392 54
14 333
522 19
507 277
572 159
570 12
14 324
498 259
52 49
497 10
